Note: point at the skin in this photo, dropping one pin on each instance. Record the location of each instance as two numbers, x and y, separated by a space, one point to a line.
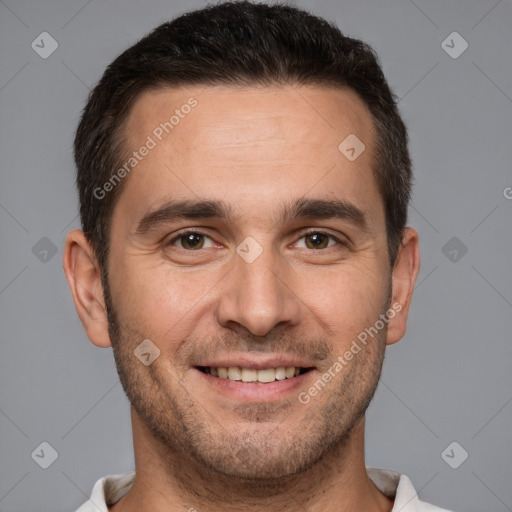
256 149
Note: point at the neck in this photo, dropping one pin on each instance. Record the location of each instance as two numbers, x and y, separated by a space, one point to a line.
166 481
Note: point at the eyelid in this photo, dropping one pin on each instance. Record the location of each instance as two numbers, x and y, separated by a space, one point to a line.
321 231
184 232
342 240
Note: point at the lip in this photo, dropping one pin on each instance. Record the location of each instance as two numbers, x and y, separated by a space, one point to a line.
252 392
256 363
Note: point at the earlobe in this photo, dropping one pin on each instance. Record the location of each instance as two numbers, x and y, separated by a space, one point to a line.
405 272
84 279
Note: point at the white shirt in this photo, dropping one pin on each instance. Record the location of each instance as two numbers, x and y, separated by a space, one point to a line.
110 489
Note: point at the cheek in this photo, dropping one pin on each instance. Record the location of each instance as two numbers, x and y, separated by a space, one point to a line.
159 299
346 300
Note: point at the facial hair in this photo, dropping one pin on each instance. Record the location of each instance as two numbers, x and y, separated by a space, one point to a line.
262 449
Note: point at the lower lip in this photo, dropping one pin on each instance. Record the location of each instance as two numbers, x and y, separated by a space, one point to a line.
248 391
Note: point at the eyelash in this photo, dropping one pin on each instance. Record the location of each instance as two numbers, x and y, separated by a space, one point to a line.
196 232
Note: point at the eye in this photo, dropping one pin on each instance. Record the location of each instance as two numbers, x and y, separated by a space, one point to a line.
192 241
318 240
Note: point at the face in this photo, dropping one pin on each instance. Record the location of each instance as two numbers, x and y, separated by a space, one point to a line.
246 243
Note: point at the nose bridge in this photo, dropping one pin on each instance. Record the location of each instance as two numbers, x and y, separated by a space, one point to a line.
260 279
257 296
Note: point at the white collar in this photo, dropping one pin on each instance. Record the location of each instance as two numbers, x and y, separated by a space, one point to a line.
110 489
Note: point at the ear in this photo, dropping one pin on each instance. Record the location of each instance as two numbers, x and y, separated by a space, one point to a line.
403 279
83 276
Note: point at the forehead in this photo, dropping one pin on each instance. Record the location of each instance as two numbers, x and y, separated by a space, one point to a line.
241 113
250 145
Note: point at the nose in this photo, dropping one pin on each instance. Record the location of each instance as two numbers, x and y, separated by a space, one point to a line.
259 295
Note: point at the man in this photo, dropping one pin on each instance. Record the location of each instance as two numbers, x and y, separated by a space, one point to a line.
244 177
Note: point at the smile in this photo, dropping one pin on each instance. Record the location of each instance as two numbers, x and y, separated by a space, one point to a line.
253 375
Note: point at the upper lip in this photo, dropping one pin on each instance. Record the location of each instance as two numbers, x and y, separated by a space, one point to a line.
257 363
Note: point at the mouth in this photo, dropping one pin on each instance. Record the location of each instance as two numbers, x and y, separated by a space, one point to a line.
254 375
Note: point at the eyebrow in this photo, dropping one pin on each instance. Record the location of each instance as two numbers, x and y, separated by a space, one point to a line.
185 209
302 208
305 208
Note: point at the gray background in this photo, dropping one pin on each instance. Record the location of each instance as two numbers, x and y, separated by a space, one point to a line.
448 380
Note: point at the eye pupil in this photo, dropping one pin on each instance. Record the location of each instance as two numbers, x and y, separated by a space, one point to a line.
192 241
317 240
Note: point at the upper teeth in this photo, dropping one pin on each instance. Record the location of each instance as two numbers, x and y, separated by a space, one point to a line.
252 375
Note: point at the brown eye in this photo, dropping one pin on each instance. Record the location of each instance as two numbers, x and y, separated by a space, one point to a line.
317 240
191 241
